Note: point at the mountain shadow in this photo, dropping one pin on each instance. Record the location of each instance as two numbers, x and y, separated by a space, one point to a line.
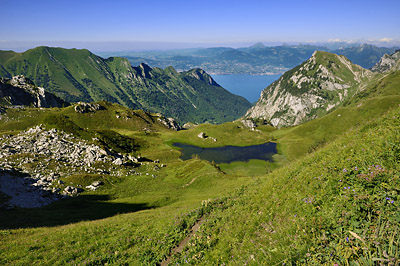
66 211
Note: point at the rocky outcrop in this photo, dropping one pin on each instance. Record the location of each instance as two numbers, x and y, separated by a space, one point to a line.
83 108
169 122
95 185
388 63
20 91
248 123
42 157
202 135
308 91
201 75
72 191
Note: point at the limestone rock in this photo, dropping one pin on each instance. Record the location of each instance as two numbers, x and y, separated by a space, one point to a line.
21 91
73 191
388 63
315 87
83 108
118 161
202 135
95 185
169 122
249 123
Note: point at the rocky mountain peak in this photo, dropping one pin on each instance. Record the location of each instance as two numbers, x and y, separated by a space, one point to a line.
200 74
309 90
388 63
145 69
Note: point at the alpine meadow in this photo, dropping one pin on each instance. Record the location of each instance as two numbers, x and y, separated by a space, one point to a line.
118 147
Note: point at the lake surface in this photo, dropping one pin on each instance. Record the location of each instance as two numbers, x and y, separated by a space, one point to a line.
229 154
248 86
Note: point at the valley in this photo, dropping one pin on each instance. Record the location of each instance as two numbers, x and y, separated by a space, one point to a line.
330 195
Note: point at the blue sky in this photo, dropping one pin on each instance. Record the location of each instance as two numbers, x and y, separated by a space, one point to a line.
148 24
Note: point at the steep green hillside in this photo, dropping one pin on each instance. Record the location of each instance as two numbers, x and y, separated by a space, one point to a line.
78 75
339 205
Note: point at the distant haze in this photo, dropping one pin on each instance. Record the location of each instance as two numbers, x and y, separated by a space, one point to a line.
153 25
22 46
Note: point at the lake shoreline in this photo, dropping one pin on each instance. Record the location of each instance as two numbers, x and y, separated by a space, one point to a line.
228 154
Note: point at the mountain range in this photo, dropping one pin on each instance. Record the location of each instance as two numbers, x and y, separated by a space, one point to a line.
255 60
79 75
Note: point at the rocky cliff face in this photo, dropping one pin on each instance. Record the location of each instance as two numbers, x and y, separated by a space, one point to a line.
388 63
308 91
20 90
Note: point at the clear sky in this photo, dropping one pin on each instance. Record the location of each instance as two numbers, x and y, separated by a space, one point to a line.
148 24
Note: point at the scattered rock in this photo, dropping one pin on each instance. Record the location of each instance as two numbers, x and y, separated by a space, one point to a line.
95 185
83 108
47 155
24 192
249 124
169 122
202 135
189 125
72 191
118 161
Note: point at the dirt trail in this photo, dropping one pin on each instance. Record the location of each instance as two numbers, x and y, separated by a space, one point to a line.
194 179
183 243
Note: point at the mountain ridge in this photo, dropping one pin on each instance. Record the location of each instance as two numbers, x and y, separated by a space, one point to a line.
310 90
79 75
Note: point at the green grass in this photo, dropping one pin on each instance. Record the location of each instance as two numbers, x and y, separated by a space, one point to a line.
307 137
255 212
314 211
79 75
231 133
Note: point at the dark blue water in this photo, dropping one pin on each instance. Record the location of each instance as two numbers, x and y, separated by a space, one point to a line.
229 154
248 86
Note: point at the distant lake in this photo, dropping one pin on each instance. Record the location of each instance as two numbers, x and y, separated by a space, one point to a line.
229 154
248 86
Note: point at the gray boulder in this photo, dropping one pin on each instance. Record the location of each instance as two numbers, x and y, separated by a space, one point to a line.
83 108
202 135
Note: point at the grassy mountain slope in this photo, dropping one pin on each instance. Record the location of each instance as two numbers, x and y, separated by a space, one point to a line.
300 212
336 199
338 205
79 75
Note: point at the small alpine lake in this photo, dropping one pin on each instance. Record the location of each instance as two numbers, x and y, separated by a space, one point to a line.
229 154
